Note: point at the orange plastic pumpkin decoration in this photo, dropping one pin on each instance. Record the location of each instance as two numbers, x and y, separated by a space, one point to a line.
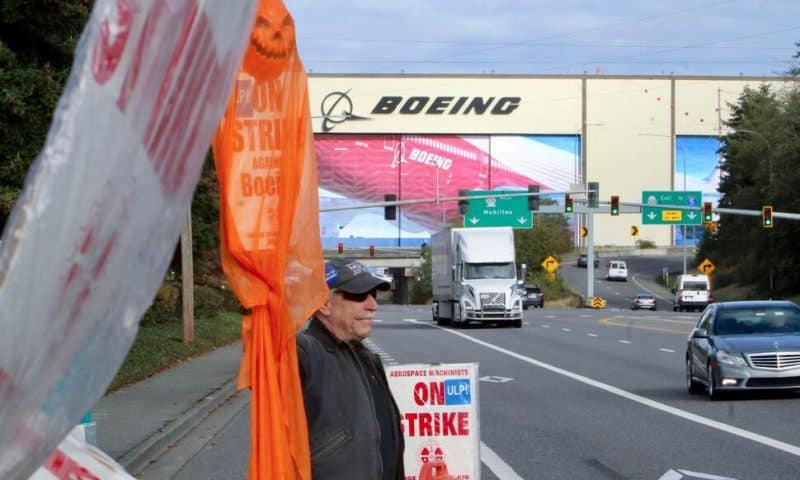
272 41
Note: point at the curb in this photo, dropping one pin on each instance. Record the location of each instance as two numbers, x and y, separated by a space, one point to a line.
137 458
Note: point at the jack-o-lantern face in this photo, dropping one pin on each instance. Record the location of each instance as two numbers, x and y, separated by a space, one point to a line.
272 41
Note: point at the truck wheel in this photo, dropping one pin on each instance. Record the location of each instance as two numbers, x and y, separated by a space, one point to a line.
517 323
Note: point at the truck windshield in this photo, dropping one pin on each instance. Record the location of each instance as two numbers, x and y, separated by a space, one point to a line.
489 270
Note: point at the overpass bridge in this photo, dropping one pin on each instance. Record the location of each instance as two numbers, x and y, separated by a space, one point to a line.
398 261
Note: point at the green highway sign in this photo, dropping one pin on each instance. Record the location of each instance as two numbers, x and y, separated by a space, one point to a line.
655 215
498 210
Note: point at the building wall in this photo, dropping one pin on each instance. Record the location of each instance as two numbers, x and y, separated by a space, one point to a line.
628 124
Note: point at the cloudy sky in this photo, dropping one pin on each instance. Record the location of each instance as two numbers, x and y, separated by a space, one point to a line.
684 37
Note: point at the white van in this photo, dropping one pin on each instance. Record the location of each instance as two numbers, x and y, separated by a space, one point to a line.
691 292
617 270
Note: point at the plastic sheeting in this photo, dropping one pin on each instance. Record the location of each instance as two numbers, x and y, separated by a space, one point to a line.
89 240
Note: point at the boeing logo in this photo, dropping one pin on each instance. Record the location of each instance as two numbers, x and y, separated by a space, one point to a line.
337 107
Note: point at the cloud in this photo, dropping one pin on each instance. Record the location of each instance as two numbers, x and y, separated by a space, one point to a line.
570 36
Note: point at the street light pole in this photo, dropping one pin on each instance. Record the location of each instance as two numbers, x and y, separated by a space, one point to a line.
683 227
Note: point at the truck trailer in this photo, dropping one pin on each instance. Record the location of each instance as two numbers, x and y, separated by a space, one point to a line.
475 277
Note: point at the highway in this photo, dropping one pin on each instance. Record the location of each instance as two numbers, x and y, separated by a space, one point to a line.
573 394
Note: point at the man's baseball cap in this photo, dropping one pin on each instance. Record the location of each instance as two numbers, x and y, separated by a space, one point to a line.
350 276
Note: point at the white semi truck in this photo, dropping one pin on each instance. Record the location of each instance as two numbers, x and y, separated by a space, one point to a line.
475 277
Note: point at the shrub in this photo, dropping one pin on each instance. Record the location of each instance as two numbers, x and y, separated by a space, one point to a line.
166 306
645 244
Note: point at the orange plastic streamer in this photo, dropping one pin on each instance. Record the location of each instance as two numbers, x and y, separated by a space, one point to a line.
269 230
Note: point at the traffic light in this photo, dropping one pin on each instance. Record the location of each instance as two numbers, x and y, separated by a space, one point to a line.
390 211
372 250
340 247
463 205
766 216
533 200
567 203
708 214
614 205
593 193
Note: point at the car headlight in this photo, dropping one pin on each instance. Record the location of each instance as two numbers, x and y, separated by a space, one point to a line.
731 359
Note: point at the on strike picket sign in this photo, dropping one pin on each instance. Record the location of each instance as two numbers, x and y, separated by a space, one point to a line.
439 409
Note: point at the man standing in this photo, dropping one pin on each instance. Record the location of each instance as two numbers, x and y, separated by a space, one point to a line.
353 420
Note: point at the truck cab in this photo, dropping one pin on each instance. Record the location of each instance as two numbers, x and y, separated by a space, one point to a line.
474 277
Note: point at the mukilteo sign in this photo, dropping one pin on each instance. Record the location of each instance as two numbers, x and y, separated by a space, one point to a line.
337 107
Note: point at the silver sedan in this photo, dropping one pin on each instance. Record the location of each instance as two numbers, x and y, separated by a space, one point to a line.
744 345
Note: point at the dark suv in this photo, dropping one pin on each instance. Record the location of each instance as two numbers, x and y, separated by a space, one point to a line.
532 296
583 261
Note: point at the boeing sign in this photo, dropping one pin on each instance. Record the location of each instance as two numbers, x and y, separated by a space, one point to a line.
337 107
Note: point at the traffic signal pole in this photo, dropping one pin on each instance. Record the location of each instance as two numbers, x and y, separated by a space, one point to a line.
590 256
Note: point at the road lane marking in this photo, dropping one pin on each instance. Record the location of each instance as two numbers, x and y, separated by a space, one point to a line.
495 379
692 417
624 341
667 350
496 464
566 329
545 326
549 316
592 334
584 316
610 321
680 474
639 284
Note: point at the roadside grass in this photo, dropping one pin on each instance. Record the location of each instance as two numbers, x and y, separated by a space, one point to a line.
728 293
556 292
160 346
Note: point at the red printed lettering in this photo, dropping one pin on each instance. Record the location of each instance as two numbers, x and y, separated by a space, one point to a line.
429 393
107 52
192 79
445 424
64 467
260 185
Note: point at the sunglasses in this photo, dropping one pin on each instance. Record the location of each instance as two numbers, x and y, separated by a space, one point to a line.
358 297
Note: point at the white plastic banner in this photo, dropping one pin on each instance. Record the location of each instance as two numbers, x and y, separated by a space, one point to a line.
74 459
439 408
89 240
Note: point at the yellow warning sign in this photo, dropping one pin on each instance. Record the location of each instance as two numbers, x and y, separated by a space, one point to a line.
707 267
550 264
671 215
597 302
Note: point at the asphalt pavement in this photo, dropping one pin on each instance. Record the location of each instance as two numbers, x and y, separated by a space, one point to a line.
135 425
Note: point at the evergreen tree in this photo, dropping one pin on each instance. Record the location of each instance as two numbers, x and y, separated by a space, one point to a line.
37 42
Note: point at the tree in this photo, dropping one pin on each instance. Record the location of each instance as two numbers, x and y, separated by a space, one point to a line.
550 236
422 291
37 42
794 70
758 168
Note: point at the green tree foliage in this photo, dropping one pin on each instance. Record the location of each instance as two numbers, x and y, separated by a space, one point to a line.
758 167
550 236
37 41
794 70
422 291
